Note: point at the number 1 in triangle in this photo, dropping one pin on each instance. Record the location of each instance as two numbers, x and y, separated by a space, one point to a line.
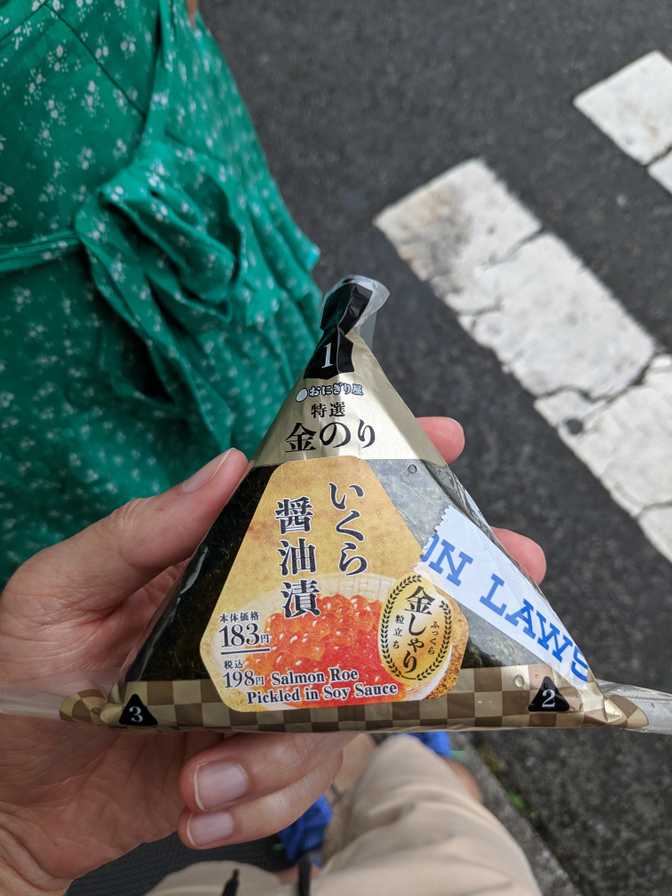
548 698
136 715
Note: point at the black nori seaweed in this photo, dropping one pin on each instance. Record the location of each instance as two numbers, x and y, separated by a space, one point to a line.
172 649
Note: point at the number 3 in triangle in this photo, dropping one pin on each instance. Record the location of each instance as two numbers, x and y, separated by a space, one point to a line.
135 714
548 699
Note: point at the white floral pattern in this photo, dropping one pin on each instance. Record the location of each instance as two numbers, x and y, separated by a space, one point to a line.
156 296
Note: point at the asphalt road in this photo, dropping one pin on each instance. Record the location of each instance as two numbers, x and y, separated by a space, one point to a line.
359 103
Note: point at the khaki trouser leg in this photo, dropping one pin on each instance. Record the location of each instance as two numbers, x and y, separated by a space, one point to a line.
411 827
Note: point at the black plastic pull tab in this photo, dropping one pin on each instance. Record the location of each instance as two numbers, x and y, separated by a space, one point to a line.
346 307
345 304
332 356
548 698
136 715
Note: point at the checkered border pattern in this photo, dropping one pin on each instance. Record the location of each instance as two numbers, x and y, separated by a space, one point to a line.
635 718
496 697
86 706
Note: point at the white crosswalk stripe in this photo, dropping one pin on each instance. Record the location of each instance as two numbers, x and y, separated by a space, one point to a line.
595 374
634 108
662 171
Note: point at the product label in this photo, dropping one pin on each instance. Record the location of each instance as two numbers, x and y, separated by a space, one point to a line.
354 413
460 557
419 630
322 607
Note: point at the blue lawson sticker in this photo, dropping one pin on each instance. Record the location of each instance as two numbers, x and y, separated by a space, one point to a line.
462 560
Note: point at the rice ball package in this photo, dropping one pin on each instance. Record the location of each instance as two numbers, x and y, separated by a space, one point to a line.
352 584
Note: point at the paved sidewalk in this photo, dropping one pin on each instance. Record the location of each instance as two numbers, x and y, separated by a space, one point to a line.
552 877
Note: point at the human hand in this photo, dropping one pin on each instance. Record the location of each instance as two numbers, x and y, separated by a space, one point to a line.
73 797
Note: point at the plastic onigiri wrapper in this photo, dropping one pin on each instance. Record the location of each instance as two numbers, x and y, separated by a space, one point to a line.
353 584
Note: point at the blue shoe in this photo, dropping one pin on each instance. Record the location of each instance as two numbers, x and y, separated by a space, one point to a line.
437 741
306 834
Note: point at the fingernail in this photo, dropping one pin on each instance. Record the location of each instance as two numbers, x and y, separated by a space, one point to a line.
217 783
205 830
205 474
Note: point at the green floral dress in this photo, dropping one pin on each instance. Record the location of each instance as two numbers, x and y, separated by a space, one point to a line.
155 296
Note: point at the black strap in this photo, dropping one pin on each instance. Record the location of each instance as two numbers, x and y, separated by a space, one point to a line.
303 886
232 884
305 872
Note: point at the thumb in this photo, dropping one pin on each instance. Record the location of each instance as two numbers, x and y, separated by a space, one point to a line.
101 566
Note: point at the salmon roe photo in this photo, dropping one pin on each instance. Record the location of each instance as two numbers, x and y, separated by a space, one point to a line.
344 636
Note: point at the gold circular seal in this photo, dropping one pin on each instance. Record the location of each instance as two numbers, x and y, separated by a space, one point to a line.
422 634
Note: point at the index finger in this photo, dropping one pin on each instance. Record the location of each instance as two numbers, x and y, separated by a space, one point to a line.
447 434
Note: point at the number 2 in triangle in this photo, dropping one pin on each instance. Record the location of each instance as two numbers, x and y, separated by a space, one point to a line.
548 699
135 714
